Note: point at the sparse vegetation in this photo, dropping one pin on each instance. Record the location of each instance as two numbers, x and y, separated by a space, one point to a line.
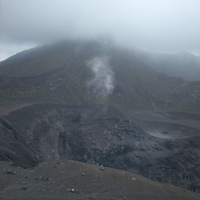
64 73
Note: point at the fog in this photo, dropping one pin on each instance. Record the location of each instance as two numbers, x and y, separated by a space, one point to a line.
153 25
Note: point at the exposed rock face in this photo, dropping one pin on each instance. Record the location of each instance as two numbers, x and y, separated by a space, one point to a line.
97 134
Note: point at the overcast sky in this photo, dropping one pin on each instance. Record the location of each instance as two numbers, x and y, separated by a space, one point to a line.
154 25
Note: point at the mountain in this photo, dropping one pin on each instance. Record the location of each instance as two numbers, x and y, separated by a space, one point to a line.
98 104
181 64
65 73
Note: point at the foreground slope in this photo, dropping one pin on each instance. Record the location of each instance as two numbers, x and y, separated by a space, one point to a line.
72 180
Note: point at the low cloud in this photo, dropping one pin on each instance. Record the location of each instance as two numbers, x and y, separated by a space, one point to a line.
156 25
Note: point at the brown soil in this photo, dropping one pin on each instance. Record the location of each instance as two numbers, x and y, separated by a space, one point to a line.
67 179
6 109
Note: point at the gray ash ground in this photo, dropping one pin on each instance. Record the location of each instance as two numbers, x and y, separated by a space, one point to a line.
72 180
39 139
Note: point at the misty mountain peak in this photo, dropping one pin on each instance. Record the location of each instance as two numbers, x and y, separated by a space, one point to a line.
185 54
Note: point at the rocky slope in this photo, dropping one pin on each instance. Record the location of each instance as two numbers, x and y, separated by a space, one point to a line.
100 135
89 72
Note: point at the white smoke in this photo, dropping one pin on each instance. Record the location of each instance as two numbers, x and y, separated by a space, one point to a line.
102 84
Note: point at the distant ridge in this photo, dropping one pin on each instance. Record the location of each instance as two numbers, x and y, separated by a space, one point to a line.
181 64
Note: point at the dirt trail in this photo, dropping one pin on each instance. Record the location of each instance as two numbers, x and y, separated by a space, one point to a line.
5 110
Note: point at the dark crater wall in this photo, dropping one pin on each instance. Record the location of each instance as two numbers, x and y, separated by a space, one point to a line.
97 134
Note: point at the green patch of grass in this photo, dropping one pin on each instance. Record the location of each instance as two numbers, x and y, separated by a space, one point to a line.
177 131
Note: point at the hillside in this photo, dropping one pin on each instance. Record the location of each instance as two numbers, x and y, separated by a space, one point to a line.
74 180
70 107
36 133
80 181
181 64
65 73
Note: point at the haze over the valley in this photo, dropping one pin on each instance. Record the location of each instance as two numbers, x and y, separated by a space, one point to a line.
153 25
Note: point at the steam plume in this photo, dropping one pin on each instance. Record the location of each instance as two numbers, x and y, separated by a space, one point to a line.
102 84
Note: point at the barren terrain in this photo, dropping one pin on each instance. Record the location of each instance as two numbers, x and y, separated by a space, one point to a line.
39 142
72 180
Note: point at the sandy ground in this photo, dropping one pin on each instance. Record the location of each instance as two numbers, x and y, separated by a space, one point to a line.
67 179
163 134
165 117
168 125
